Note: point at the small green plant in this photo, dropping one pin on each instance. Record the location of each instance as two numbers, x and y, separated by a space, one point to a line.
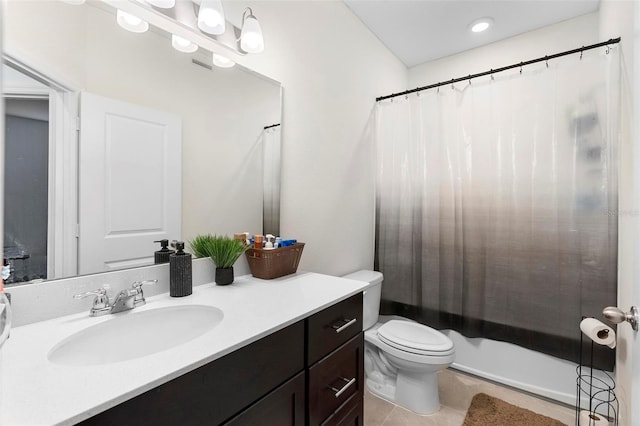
224 251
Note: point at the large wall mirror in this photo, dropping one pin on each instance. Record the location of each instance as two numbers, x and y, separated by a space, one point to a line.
166 146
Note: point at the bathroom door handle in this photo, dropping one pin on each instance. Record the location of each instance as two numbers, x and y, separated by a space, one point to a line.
348 323
346 386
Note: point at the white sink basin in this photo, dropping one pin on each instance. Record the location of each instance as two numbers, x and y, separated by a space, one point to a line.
133 334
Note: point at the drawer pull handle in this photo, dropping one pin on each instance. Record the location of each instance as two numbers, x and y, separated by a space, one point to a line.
340 391
340 328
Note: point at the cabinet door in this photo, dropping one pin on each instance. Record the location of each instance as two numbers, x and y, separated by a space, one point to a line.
282 407
335 379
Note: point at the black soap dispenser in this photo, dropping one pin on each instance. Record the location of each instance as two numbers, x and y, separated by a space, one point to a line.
162 255
180 272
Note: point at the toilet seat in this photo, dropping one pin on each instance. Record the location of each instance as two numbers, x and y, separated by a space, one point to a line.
415 338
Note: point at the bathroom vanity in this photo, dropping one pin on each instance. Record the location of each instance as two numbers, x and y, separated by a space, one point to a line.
287 351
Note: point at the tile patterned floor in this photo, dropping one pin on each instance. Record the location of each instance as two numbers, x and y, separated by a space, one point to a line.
456 391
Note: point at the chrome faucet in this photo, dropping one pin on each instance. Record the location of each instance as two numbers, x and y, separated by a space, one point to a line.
124 300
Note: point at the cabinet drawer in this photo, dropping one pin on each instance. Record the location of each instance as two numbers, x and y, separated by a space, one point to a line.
333 326
335 379
350 414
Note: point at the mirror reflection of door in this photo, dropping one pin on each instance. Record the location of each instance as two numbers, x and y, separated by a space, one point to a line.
130 183
27 176
26 187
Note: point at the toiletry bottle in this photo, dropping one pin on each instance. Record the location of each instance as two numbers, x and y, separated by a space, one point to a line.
180 272
162 255
269 243
278 242
257 241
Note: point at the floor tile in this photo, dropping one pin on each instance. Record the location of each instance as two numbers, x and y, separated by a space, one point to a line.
456 392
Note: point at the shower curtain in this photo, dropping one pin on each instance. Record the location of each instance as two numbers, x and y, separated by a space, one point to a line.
496 207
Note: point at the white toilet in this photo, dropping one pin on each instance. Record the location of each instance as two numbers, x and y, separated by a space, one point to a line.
402 357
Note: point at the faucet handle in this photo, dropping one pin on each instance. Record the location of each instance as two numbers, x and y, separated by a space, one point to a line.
100 303
99 293
137 286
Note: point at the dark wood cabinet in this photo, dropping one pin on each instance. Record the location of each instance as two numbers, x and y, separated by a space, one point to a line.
213 393
309 373
284 406
336 363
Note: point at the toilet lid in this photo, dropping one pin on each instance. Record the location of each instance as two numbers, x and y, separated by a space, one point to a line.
416 338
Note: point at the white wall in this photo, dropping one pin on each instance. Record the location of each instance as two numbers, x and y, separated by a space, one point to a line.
332 69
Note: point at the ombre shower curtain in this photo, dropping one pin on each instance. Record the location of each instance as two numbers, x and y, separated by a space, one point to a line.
497 203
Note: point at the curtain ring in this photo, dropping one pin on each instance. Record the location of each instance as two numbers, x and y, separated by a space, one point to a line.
581 52
452 88
492 79
608 50
520 67
469 79
418 94
406 97
546 61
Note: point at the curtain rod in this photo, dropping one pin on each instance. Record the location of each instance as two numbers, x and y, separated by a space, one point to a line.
269 127
497 70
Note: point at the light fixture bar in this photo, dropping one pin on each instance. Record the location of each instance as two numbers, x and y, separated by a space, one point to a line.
158 19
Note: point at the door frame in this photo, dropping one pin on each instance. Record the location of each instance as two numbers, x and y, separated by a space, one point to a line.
62 238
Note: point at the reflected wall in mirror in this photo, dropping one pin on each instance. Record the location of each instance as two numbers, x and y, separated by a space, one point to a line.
62 56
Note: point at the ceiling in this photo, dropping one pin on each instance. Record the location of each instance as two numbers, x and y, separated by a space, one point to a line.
418 31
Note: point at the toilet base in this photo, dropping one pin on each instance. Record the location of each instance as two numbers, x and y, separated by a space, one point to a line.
418 392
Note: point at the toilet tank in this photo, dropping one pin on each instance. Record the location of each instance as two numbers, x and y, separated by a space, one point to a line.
371 302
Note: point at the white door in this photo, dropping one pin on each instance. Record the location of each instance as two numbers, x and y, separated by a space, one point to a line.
129 183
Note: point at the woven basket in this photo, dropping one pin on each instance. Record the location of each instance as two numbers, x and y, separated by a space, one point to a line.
274 263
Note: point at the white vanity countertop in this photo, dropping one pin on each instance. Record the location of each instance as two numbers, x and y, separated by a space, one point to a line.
34 391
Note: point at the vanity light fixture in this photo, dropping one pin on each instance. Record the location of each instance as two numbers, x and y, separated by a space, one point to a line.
131 23
222 61
163 4
480 25
251 40
182 44
211 17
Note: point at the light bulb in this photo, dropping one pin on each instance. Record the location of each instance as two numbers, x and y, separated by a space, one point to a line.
182 44
222 61
130 22
211 17
251 39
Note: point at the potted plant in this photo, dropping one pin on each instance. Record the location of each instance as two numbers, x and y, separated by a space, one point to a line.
222 250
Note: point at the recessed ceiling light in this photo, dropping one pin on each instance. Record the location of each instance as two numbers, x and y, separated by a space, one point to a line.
480 25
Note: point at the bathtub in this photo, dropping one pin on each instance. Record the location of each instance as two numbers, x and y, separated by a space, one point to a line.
512 365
